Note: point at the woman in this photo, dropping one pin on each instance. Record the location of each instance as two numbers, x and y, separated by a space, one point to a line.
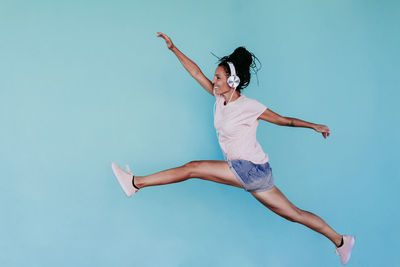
236 118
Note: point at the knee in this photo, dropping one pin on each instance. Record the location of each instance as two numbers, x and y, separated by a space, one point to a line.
191 163
295 216
191 167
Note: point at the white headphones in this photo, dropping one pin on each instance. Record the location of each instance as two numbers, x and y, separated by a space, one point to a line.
233 80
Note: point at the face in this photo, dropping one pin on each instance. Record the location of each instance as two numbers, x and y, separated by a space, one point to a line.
219 82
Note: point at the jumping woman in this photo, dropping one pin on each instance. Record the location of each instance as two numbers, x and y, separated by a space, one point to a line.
246 165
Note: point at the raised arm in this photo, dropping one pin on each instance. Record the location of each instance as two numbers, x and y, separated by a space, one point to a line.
189 65
270 116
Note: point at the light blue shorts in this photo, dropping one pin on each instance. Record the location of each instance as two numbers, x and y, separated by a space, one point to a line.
253 177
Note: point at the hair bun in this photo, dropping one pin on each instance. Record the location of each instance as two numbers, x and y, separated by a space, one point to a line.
242 57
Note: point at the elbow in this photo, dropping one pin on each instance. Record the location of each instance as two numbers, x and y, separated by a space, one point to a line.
196 72
288 122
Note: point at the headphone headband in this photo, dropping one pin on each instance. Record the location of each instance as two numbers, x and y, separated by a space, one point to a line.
232 67
233 80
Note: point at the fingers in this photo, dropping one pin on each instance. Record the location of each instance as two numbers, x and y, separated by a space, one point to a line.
325 134
162 35
324 130
328 132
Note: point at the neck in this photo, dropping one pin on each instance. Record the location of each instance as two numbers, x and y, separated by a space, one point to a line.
227 96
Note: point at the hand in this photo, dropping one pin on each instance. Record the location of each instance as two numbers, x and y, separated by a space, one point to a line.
322 129
168 41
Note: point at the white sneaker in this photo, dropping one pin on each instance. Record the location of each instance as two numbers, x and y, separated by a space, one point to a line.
345 250
124 179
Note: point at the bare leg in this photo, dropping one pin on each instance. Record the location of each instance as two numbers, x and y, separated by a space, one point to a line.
211 170
220 172
278 203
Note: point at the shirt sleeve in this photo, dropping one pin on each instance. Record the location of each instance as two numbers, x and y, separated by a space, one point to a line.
255 109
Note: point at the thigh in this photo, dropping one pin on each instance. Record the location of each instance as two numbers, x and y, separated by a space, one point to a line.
213 170
278 203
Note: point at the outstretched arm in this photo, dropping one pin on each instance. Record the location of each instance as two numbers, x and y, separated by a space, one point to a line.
270 116
188 64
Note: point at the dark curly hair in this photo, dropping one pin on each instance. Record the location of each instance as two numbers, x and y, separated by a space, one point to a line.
243 60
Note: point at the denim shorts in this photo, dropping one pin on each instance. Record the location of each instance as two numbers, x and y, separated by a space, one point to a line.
253 177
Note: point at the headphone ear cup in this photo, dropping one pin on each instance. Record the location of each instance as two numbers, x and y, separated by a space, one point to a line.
230 81
233 81
236 81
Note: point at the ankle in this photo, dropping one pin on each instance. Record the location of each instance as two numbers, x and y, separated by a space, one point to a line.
339 242
139 182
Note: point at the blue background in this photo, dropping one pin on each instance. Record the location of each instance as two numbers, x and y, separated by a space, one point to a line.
85 83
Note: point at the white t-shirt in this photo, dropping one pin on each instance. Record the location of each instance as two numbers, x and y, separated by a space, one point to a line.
236 124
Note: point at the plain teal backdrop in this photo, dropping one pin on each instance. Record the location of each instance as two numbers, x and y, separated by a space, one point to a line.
85 83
